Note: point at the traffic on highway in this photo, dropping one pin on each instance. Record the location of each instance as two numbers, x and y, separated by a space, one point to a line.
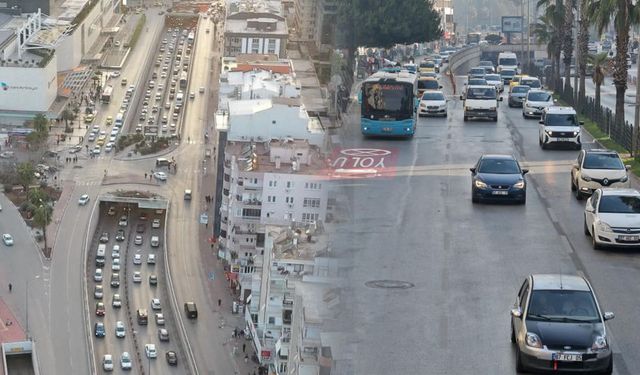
131 318
482 267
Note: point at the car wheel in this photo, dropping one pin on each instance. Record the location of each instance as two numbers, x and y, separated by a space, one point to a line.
475 200
609 369
466 118
579 146
494 119
523 200
445 114
523 115
573 185
510 106
596 245
586 228
519 366
543 145
578 194
513 334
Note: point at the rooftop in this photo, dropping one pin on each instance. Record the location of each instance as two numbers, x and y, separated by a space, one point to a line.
259 157
258 25
256 84
299 242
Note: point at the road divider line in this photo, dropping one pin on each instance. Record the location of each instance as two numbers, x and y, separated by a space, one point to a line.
552 216
566 244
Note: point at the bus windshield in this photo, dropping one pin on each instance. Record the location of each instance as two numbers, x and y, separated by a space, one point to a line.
382 100
508 61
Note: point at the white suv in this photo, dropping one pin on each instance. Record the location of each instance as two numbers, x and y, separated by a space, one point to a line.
596 169
559 126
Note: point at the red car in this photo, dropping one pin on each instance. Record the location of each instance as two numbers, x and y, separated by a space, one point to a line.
100 309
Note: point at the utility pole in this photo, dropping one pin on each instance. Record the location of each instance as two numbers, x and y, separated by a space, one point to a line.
636 124
577 53
522 33
528 34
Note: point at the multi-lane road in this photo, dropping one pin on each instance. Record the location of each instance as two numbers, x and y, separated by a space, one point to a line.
455 267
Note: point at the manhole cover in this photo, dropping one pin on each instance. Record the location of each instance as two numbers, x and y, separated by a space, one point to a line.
389 284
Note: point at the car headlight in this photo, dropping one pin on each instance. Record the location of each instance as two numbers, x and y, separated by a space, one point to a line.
533 340
519 184
584 177
423 105
600 343
604 227
480 185
625 178
575 134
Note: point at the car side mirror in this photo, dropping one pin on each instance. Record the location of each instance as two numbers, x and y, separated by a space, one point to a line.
473 170
525 171
627 167
500 98
541 122
581 122
461 98
516 312
608 315
589 207
440 86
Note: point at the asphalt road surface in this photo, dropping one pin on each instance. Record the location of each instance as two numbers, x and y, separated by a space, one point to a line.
455 266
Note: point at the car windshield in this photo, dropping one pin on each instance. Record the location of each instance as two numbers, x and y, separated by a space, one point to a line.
539 96
428 84
432 96
499 166
602 161
563 306
427 65
507 73
553 119
619 204
492 77
477 71
534 83
485 63
481 93
509 61
520 89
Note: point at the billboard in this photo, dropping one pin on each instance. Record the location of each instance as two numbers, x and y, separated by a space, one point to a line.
511 24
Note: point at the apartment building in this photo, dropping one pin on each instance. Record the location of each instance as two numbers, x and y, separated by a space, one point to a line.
445 8
293 294
255 26
270 182
315 20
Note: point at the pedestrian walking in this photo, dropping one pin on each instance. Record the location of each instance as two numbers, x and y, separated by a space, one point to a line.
219 302
145 176
246 358
10 287
244 347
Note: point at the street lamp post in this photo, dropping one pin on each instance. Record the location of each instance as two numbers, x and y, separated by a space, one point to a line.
577 53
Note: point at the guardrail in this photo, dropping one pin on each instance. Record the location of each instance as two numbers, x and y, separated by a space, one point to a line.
463 57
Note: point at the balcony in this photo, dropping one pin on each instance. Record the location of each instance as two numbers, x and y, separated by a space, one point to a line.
252 202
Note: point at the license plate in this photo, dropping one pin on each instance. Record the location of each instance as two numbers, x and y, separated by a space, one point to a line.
565 140
566 357
628 238
386 130
500 192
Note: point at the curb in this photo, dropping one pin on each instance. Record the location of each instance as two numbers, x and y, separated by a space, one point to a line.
64 210
166 151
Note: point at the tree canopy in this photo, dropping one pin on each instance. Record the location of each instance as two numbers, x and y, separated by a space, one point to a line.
383 23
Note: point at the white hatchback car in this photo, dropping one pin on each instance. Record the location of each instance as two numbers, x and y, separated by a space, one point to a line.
433 103
107 362
598 168
137 259
155 304
84 199
535 102
115 266
612 218
151 259
137 277
150 351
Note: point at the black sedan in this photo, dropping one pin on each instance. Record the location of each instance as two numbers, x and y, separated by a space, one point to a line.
557 326
498 178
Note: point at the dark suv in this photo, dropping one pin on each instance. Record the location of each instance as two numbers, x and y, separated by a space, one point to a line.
557 325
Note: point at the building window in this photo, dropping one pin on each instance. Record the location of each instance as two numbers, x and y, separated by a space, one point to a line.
289 200
250 212
311 202
272 320
312 185
255 45
282 367
289 184
271 47
273 183
271 199
309 217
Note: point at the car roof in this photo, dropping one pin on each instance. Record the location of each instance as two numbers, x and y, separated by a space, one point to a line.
620 191
560 110
481 87
426 92
600 151
498 157
559 282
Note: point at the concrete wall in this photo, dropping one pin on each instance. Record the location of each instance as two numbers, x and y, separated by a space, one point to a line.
28 89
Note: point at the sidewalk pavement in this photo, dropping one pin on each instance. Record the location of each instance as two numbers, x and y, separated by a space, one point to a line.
58 212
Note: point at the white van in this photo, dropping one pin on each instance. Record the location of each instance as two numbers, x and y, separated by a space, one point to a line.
481 101
508 60
119 119
155 241
102 249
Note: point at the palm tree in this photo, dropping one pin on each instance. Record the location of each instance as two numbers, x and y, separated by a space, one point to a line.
567 43
583 51
623 14
41 219
600 63
67 115
547 31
